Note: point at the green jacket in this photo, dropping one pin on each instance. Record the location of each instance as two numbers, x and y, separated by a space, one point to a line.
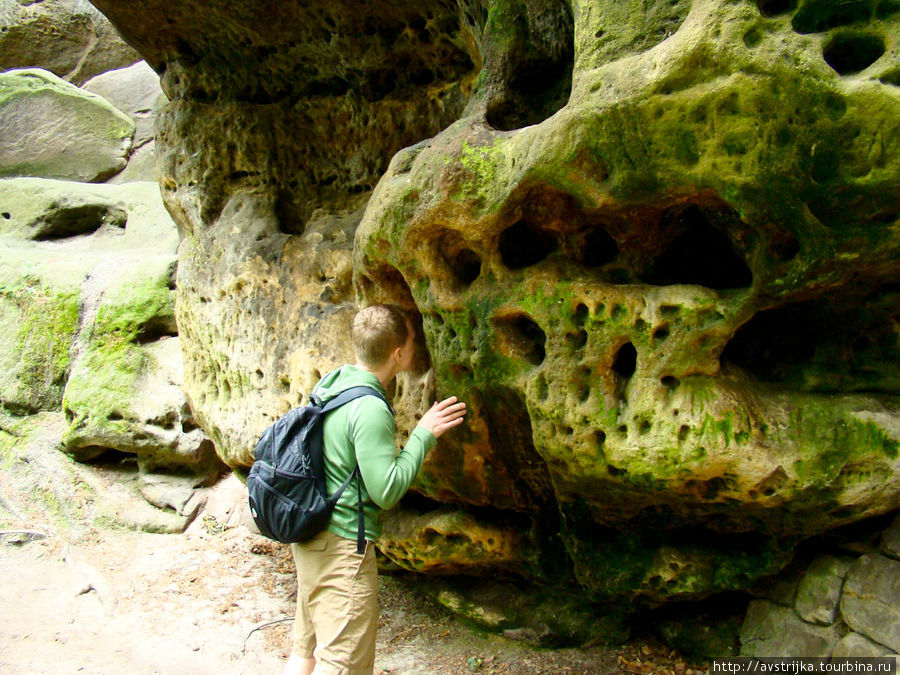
362 432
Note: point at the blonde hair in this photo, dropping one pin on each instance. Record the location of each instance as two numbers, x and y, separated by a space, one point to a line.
377 331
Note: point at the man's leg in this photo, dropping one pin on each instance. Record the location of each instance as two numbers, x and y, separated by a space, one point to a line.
301 661
343 604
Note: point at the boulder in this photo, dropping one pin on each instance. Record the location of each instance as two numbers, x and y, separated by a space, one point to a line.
70 38
855 645
87 306
819 591
664 323
135 91
773 630
52 129
141 166
871 601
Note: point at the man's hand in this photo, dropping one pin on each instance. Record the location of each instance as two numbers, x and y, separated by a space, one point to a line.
443 416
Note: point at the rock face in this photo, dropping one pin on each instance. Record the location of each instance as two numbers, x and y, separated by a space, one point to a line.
52 129
70 38
87 306
838 605
653 246
135 91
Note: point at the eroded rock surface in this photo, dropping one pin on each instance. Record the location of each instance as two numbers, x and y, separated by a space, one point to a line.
653 246
679 289
52 129
87 305
70 38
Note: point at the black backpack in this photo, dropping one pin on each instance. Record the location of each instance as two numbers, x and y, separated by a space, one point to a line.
286 484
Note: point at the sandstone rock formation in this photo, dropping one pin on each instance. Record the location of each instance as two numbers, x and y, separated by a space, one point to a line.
86 276
70 38
135 91
653 245
52 129
87 311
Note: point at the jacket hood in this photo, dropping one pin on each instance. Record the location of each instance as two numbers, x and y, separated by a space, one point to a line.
344 378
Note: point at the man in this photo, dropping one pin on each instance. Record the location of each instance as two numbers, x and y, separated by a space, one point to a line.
337 609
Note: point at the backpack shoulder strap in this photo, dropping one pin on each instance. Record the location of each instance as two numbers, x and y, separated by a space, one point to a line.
344 397
352 394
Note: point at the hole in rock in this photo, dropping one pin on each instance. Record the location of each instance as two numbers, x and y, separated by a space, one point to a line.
890 77
524 244
535 66
581 314
816 16
626 361
700 253
597 248
156 329
385 284
6 215
61 222
661 333
510 433
837 344
522 338
774 7
461 261
112 459
784 247
577 340
669 382
850 53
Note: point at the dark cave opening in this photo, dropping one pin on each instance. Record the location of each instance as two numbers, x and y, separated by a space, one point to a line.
700 252
774 7
850 53
834 344
596 248
533 71
818 17
525 244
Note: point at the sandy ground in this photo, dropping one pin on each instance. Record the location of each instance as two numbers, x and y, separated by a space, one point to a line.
217 598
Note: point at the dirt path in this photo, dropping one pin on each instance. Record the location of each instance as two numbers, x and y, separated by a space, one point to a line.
86 599
126 602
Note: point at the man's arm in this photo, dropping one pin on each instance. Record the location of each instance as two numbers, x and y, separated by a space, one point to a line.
388 477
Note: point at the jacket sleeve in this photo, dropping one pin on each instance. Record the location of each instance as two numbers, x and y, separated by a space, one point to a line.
387 475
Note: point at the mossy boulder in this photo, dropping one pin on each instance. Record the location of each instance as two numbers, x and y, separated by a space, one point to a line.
52 129
88 309
671 305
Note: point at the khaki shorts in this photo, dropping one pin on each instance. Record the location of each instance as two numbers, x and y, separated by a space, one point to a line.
337 604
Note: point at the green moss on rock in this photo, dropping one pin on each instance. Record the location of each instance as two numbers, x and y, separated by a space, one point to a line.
45 322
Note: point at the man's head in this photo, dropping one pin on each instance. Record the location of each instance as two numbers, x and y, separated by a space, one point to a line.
382 333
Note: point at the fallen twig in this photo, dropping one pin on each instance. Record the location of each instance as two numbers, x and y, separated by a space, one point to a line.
28 535
403 633
261 626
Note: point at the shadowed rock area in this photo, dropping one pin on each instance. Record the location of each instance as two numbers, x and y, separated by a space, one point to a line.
653 245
